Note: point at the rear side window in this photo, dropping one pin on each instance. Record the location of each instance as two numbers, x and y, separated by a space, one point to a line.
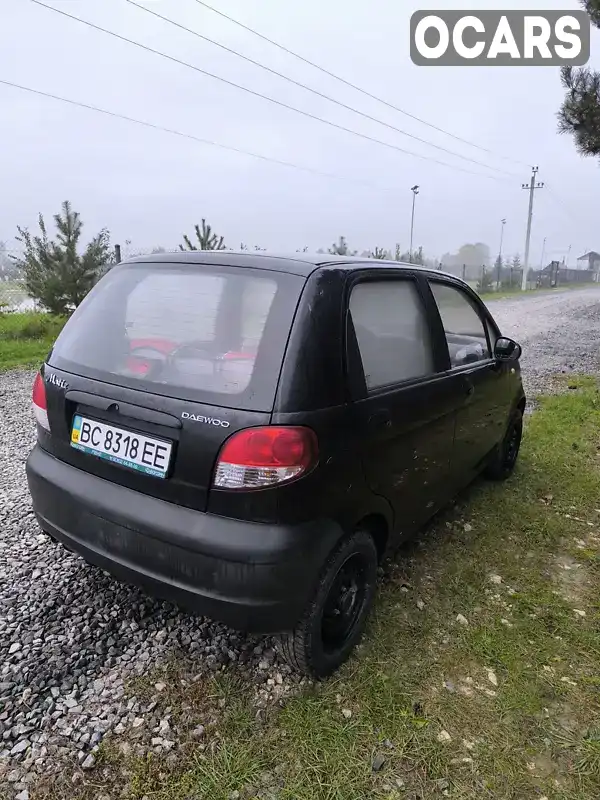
465 330
204 333
392 332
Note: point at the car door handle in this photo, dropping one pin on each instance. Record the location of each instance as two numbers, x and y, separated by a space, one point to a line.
380 419
469 387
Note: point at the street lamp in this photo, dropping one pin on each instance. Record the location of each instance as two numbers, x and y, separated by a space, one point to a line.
415 191
543 253
499 270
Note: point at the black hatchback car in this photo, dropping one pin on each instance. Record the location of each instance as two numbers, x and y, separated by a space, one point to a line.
249 435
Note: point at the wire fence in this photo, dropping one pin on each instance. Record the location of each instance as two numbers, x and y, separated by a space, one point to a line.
13 296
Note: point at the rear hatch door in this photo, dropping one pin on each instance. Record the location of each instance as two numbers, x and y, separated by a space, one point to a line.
160 365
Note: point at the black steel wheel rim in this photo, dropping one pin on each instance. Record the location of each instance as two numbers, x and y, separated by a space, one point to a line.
344 603
512 446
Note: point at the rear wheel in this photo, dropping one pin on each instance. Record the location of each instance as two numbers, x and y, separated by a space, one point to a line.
504 460
335 618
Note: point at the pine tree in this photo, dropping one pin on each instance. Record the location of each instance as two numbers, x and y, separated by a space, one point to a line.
579 114
498 264
53 272
401 256
341 248
485 283
207 240
380 254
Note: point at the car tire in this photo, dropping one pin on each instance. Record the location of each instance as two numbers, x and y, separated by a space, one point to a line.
334 619
503 462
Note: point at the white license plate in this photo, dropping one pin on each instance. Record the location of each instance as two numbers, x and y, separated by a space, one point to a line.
132 450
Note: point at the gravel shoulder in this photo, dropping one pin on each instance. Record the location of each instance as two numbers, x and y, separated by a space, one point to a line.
72 640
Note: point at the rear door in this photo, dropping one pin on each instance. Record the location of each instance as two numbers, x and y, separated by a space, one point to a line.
404 409
160 365
482 416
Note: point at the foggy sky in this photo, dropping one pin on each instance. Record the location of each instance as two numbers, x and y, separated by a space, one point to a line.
150 187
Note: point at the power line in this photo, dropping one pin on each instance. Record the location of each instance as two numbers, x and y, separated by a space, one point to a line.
357 88
191 136
568 215
561 205
314 91
259 94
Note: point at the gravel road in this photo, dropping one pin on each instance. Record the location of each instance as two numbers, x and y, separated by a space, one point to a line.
70 637
560 333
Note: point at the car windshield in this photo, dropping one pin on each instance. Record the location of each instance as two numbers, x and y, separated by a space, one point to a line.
197 332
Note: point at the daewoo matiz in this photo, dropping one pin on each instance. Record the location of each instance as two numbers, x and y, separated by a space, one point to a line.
249 435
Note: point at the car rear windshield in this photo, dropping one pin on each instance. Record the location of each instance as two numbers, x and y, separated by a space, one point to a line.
210 334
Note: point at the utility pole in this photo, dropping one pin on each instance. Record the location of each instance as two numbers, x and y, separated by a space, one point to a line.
499 275
532 186
415 191
117 253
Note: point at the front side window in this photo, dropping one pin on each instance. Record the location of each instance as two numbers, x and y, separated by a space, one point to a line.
392 332
465 330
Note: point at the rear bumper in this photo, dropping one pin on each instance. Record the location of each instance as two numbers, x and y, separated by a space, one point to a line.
252 576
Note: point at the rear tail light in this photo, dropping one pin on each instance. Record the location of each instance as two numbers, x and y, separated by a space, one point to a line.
260 457
38 400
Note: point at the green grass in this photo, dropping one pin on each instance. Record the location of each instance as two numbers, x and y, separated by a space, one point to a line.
503 294
26 338
507 706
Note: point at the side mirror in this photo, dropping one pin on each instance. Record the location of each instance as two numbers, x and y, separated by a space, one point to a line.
507 350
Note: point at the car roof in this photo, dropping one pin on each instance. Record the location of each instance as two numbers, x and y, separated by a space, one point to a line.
303 264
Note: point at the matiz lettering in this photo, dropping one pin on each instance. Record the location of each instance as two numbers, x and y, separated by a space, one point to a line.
51 378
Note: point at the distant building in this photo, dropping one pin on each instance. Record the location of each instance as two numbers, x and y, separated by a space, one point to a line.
590 262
